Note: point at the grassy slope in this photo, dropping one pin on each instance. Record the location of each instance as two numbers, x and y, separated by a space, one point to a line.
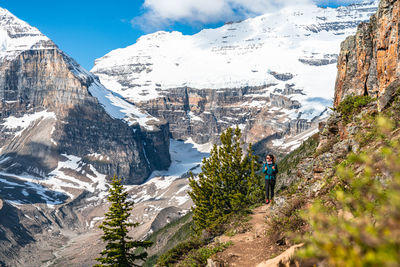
168 236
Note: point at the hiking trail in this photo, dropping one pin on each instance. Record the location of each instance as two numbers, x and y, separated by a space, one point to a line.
253 247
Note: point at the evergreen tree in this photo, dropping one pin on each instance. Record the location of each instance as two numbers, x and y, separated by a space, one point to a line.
227 182
119 251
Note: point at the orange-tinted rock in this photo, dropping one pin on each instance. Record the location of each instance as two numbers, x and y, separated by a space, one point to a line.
369 62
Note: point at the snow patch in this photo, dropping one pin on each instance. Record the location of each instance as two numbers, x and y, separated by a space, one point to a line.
32 183
182 199
184 156
194 117
59 178
94 221
294 142
21 123
118 108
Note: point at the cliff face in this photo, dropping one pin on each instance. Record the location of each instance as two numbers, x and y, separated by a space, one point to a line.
48 111
369 62
62 135
202 114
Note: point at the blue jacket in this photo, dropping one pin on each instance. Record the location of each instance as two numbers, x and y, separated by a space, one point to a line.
269 172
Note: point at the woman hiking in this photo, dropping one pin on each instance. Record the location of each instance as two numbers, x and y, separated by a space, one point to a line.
270 169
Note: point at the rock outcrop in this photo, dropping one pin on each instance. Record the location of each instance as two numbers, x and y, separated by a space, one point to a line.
369 62
202 114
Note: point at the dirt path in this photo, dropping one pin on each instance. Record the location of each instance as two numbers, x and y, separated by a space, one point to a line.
249 248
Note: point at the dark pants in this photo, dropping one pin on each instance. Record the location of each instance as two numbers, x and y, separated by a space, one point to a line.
269 188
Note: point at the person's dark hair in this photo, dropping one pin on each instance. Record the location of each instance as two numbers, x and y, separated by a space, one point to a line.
272 157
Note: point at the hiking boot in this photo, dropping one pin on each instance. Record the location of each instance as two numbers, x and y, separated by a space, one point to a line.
267 201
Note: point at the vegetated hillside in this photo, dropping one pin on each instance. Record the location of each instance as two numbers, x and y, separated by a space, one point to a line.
168 237
338 193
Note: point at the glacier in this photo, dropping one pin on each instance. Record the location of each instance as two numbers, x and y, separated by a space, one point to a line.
302 42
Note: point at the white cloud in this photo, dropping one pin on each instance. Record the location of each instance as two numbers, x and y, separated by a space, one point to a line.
160 14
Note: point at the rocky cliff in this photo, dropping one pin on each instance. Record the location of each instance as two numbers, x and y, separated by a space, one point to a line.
62 135
203 114
43 79
369 61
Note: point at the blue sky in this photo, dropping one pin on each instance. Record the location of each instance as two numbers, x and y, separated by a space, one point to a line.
87 30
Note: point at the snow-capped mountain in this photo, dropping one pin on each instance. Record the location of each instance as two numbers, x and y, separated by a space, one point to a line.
42 86
17 36
62 135
63 132
281 64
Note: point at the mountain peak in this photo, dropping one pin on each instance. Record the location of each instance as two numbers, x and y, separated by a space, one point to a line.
237 55
17 36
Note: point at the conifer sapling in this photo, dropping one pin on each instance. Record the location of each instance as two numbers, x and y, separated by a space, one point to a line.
120 249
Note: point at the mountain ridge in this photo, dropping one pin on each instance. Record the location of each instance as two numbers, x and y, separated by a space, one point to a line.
28 84
63 135
237 74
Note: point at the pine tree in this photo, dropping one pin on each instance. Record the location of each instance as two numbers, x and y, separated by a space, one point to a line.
119 251
227 183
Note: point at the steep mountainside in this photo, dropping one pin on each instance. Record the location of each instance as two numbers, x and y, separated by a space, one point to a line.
258 73
62 135
337 194
48 110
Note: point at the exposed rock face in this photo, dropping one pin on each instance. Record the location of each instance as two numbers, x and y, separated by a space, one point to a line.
47 79
12 233
202 114
62 134
369 62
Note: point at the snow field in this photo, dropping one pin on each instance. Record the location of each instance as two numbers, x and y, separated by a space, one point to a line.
238 55
21 123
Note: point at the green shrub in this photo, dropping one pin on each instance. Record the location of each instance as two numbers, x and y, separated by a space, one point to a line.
362 227
288 220
193 252
179 252
199 257
351 105
182 231
227 224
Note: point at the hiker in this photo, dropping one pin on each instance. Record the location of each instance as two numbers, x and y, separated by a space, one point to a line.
270 169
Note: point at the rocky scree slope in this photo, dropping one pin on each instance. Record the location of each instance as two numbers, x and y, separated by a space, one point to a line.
258 74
